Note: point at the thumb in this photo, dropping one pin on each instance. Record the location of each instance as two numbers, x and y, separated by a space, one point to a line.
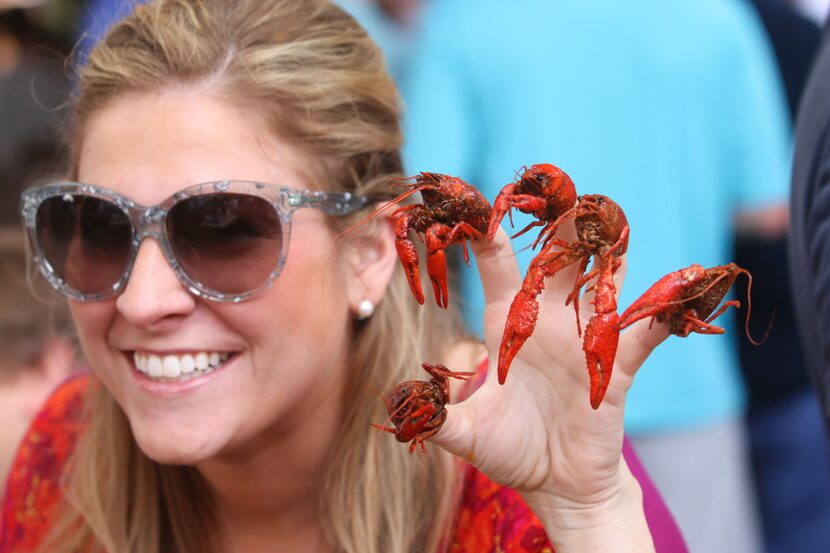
457 434
637 342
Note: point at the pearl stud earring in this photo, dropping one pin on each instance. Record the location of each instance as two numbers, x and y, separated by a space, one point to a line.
365 310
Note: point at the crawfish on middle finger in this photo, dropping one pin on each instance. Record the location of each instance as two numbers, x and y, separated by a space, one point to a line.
602 233
543 190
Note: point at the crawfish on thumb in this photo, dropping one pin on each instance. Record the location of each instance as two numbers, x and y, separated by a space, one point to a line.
416 407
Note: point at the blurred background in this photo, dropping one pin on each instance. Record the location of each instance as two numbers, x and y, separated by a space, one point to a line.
682 112
35 40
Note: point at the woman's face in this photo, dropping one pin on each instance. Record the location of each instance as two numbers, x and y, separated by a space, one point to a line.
281 355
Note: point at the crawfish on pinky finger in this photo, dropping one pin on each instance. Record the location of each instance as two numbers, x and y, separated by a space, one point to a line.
688 300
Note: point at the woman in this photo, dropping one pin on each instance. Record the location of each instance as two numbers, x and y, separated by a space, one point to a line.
228 409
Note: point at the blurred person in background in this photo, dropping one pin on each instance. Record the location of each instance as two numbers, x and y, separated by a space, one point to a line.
37 354
787 442
672 109
95 19
33 89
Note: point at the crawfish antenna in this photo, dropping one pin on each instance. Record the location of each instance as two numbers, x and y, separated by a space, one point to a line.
521 171
380 395
749 310
377 212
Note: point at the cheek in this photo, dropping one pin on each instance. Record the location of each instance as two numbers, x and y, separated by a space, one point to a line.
313 281
301 321
91 320
308 301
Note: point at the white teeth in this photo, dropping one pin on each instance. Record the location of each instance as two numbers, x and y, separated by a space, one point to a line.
154 368
170 366
188 364
176 366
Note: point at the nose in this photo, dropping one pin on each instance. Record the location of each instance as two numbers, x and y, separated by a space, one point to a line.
153 295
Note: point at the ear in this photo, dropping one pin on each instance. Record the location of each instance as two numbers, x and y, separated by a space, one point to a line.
370 255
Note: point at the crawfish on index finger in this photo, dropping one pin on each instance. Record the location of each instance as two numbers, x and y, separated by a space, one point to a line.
452 211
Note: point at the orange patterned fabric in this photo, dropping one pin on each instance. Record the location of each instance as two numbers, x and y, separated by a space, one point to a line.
33 488
492 518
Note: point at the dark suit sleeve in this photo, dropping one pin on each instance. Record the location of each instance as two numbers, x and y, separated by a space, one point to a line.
817 246
810 223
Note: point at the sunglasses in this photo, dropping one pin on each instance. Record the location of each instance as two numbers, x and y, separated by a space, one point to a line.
225 240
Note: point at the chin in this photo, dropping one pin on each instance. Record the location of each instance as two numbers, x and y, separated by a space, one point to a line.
170 448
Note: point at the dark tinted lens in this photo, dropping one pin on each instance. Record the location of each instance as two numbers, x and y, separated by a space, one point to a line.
228 242
85 240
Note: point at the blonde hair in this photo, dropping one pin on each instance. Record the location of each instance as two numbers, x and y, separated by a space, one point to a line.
309 71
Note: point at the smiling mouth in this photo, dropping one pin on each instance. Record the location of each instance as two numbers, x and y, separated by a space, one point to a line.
179 367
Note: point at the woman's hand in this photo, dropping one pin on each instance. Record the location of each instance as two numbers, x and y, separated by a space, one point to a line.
537 433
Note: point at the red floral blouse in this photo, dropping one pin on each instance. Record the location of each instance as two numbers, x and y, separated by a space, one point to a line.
490 519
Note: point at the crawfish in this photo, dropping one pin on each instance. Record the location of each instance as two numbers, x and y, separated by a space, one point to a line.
543 190
416 407
452 211
688 300
602 233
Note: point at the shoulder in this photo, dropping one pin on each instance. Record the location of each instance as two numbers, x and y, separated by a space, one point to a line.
34 484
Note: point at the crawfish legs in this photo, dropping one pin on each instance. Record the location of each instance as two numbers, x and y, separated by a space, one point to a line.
601 335
437 238
524 310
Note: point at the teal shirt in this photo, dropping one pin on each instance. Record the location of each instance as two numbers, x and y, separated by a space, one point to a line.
671 108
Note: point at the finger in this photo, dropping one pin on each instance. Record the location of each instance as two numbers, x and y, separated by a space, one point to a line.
457 434
562 283
637 342
619 277
497 267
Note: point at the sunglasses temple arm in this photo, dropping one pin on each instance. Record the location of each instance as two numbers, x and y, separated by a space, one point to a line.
331 203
